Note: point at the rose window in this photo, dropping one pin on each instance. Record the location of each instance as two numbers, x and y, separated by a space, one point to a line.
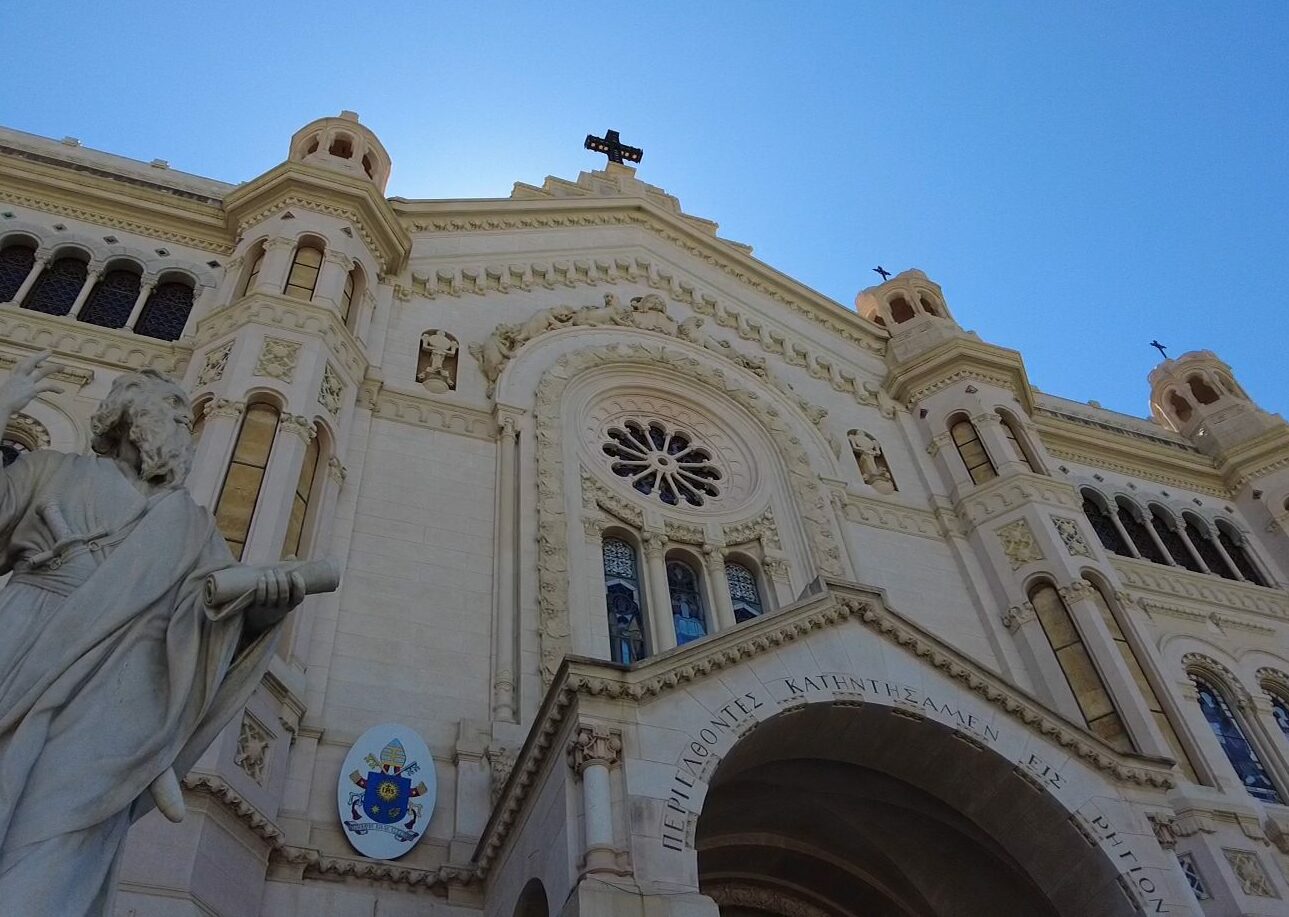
662 461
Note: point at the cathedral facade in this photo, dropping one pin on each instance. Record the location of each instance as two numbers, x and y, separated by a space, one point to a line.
707 595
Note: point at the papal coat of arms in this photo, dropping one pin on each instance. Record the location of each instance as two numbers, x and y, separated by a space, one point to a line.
384 798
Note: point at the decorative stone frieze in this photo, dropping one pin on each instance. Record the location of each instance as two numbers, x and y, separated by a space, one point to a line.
30 430
216 362
225 407
1227 596
595 494
288 314
253 743
1071 537
594 744
501 761
277 359
1018 544
331 390
1017 616
891 516
1248 869
988 501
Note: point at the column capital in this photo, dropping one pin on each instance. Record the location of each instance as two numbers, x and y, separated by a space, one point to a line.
655 543
225 407
507 427
278 243
338 258
1075 591
593 744
43 255
299 425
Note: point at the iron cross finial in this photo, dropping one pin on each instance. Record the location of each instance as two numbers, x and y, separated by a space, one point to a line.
612 147
883 273
1160 347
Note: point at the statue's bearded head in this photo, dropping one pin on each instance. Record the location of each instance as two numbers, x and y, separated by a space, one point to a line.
148 413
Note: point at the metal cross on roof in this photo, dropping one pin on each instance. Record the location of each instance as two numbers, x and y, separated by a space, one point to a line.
882 272
612 147
1160 347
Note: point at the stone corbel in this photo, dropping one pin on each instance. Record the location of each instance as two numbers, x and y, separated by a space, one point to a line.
1017 616
299 425
225 407
1076 591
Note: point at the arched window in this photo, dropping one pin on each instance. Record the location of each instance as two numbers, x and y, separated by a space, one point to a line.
303 276
1248 767
235 507
1279 710
166 312
686 602
1203 392
112 299
972 451
342 147
1130 518
16 261
743 592
1104 526
1197 532
1086 684
1144 685
296 525
1181 407
57 287
623 602
1020 450
1172 539
353 291
901 311
1238 550
928 305
257 262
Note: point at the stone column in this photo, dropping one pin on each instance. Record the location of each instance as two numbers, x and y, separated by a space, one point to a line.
1179 526
37 268
1123 532
503 679
331 279
145 290
775 565
989 427
1226 558
592 752
658 595
214 449
91 278
273 510
714 557
838 498
274 267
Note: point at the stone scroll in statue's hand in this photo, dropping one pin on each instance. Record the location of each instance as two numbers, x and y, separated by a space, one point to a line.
253 588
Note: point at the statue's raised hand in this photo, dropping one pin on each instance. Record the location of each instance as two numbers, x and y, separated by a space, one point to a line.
26 382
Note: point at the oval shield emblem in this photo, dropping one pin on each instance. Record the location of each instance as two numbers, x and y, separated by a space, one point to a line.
386 792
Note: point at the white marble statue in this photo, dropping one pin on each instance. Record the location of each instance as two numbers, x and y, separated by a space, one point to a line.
115 674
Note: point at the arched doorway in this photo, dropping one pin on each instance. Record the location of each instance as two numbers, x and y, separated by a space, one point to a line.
861 811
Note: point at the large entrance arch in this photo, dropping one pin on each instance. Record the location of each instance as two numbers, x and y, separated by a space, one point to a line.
838 810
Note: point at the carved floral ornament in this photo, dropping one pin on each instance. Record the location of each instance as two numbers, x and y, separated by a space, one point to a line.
552 522
1018 544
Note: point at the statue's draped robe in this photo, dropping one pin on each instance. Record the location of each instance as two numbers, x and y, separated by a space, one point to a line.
111 669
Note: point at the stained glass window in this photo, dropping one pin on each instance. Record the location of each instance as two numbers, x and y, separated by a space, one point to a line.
166 312
57 287
686 603
113 297
1213 558
743 592
1234 543
16 262
1193 878
1173 540
1237 748
303 278
1104 526
1280 710
972 451
661 461
622 602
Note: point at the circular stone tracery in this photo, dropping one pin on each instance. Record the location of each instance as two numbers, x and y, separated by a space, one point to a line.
662 461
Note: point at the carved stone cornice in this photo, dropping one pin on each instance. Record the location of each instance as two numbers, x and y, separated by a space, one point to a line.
119 349
958 359
892 516
552 522
235 802
421 410
838 603
279 312
1211 593
987 501
511 216
594 744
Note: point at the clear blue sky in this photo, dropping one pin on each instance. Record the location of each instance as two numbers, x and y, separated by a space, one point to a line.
1080 178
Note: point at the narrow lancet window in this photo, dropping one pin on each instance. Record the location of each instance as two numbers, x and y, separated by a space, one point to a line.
622 602
1248 767
972 451
235 507
744 594
686 603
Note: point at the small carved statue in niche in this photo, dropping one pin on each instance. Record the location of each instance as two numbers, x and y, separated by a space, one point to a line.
872 462
436 367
